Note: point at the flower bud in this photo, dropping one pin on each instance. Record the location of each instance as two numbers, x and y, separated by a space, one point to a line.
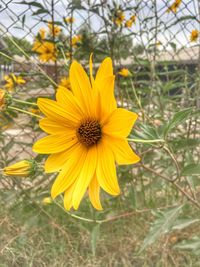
22 168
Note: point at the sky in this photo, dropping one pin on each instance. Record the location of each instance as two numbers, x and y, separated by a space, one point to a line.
11 14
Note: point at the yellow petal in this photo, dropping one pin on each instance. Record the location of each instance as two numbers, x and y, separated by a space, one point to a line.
67 100
55 162
81 87
106 170
104 70
55 143
120 123
53 127
85 176
122 151
91 70
68 197
106 93
70 171
54 111
94 190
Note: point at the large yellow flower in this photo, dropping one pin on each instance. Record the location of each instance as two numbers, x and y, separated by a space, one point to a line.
87 135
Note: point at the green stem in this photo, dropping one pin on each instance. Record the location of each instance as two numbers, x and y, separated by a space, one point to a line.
4 55
76 216
23 102
24 111
63 54
145 141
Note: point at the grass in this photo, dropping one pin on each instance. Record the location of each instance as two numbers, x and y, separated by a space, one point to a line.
46 236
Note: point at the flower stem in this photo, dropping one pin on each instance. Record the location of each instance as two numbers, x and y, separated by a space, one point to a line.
145 141
76 216
24 111
23 102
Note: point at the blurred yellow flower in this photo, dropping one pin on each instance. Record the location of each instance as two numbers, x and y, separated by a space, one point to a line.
87 135
34 110
47 200
12 81
129 23
194 35
133 18
69 20
173 8
76 39
54 29
22 168
64 83
120 17
47 50
2 98
42 33
124 72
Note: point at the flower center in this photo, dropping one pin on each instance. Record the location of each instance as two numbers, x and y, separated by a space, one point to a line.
89 132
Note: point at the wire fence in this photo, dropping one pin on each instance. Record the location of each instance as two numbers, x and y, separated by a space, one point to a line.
156 40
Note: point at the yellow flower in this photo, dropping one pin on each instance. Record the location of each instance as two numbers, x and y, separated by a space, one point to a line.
47 200
2 98
22 168
87 135
54 29
128 23
124 72
42 33
34 110
173 8
47 50
119 18
76 39
12 81
194 35
69 54
64 83
133 18
69 20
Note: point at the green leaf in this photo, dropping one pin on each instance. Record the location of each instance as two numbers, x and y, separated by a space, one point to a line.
161 225
40 11
184 143
191 169
193 244
94 237
177 119
187 18
32 3
181 224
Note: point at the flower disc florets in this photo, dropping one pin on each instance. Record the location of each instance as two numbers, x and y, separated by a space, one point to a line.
89 132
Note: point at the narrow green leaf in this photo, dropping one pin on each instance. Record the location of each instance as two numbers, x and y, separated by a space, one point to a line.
191 169
177 119
40 11
193 244
161 225
32 3
94 237
181 224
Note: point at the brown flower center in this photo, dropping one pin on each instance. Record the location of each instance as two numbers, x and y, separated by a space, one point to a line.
89 132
